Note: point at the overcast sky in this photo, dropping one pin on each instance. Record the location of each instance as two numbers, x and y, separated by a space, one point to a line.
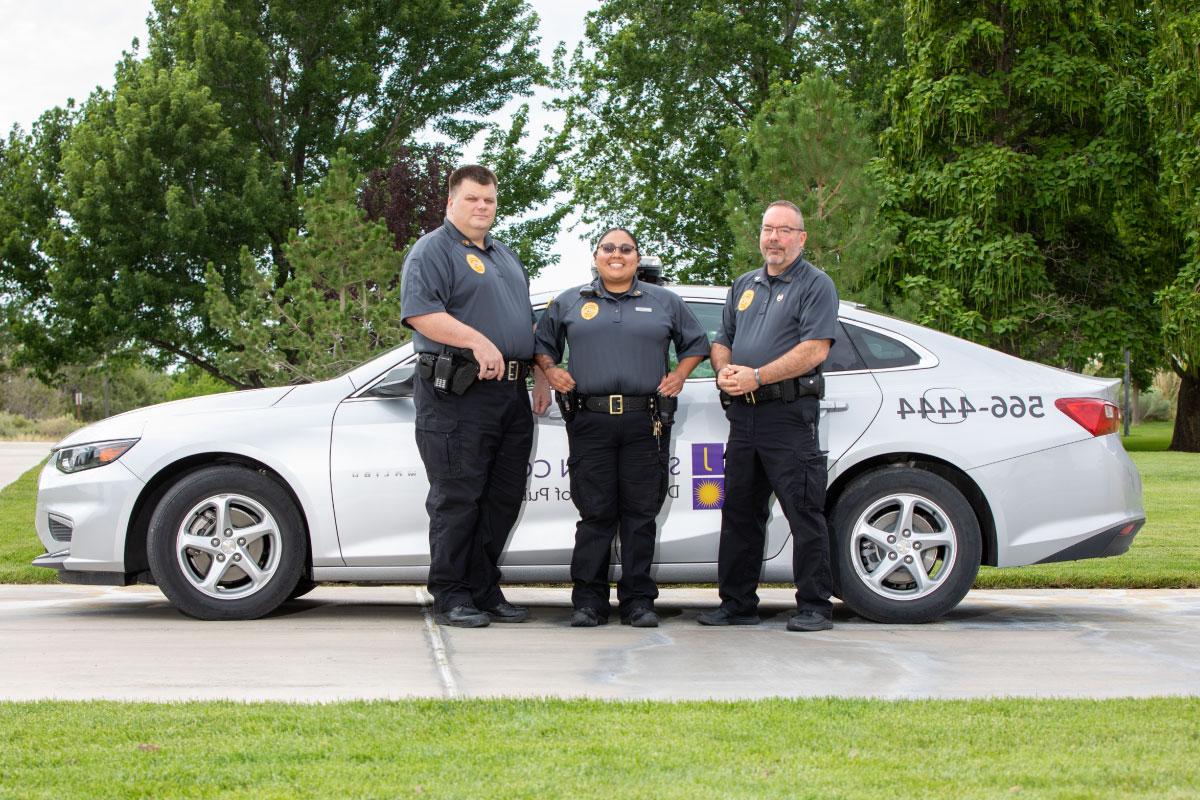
51 50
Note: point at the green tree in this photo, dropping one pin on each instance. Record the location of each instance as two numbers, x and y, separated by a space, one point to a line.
1017 171
1175 112
660 82
339 303
529 201
198 154
812 144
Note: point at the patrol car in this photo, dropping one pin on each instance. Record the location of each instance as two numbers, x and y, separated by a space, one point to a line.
943 455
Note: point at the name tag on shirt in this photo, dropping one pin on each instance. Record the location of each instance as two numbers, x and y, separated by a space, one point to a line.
639 308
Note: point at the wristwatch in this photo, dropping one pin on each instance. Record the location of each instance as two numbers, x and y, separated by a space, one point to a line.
757 377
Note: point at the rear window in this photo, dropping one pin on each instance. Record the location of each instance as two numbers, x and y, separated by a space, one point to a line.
880 351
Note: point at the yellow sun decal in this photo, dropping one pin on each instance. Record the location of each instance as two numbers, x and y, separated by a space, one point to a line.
746 299
708 494
475 263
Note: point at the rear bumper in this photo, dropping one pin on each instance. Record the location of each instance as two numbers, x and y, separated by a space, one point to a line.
1112 542
1064 503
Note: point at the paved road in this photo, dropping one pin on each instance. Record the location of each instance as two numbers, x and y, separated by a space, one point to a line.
345 642
17 457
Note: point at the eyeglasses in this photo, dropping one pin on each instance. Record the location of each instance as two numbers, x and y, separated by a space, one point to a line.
782 230
608 248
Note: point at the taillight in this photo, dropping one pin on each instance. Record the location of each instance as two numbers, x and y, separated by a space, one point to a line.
1098 417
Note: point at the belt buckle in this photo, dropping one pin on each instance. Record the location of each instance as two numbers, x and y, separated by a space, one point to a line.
751 399
616 404
513 368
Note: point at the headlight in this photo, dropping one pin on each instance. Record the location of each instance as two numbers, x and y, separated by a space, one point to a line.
86 456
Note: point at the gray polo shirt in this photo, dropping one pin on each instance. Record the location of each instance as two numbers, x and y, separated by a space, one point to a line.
619 343
485 288
767 316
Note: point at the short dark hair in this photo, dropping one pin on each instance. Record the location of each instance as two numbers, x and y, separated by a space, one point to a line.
787 204
472 172
625 231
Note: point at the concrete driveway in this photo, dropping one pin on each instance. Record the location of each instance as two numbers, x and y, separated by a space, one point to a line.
345 642
18 457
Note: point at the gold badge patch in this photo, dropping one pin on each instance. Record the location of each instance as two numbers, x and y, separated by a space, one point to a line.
475 263
589 310
746 299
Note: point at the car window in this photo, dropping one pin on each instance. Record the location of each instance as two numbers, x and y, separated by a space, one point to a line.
881 351
709 315
843 357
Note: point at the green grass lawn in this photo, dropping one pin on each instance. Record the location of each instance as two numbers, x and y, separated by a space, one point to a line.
18 542
1148 437
531 748
1166 554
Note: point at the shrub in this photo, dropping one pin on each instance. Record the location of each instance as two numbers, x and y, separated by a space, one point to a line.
13 426
56 428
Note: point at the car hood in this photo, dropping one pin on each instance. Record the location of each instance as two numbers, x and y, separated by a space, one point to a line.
130 424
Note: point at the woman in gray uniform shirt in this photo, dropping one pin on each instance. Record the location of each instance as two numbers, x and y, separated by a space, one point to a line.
617 395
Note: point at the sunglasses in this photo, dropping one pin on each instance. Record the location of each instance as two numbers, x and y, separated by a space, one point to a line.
608 248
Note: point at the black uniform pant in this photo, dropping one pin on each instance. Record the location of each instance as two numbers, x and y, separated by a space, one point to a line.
773 448
475 448
618 474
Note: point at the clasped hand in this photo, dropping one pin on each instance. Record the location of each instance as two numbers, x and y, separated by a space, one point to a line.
736 380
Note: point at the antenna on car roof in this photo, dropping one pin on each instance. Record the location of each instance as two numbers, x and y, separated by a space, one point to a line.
650 270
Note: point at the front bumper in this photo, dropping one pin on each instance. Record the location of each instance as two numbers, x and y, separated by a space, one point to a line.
82 519
58 561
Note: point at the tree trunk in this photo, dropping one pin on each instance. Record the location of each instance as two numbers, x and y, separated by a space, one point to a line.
1186 437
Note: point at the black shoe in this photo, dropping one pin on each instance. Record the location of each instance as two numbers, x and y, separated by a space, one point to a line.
723 616
809 621
640 618
464 617
587 618
507 612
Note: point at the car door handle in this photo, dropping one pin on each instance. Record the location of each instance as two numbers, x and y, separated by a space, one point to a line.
834 405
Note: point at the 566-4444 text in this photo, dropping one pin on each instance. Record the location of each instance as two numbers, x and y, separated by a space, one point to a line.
944 407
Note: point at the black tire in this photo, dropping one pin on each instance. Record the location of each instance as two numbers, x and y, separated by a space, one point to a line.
256 573
303 587
910 578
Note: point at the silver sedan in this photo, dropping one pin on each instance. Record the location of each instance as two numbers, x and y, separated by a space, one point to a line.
943 455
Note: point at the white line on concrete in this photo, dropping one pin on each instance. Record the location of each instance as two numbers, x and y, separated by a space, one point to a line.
437 645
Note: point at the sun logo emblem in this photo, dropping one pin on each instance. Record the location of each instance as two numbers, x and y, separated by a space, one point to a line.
707 494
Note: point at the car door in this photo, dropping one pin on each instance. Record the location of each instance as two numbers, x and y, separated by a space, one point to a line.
376 475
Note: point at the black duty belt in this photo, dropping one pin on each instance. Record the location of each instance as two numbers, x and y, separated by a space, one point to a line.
515 371
789 390
616 403
512 370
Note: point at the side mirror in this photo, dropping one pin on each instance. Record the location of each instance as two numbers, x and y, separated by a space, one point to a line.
397 383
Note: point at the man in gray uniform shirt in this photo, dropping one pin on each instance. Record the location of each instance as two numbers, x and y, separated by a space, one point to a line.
466 296
778 325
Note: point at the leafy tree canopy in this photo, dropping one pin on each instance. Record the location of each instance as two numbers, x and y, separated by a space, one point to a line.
1175 111
811 144
660 81
1017 172
339 303
200 153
